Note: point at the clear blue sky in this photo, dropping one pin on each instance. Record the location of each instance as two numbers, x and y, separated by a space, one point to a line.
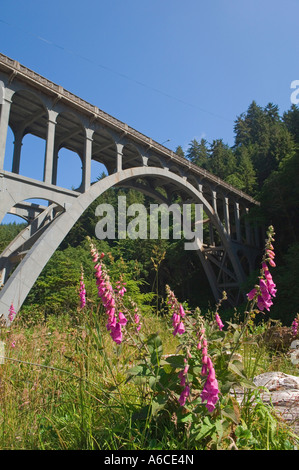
171 69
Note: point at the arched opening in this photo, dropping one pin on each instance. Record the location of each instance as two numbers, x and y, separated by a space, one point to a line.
104 156
32 157
155 161
193 181
69 169
176 170
28 121
12 219
131 157
69 151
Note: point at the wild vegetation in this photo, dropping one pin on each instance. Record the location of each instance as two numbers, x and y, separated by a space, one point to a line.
119 344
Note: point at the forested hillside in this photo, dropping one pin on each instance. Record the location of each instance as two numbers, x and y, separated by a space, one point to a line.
263 162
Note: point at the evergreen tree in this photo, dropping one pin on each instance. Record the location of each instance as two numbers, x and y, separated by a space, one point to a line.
222 161
198 152
291 120
245 170
179 151
268 138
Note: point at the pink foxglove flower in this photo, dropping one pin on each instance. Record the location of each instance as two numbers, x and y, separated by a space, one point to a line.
178 313
183 374
295 325
179 329
184 395
210 391
252 294
182 311
12 313
266 290
116 333
122 319
219 321
107 295
82 292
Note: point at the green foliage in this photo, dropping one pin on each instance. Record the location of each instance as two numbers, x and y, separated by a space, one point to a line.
8 232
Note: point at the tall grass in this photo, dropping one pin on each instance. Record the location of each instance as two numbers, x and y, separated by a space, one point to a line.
63 386
70 382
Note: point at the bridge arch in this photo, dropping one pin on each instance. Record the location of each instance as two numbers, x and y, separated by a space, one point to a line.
22 279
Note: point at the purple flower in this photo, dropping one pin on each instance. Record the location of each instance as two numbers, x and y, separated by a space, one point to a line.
12 312
219 322
116 333
82 292
184 395
182 311
179 329
252 294
122 319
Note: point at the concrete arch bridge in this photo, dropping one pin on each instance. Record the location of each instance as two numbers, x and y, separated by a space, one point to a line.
33 105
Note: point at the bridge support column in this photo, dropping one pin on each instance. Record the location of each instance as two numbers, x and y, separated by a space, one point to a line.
4 120
119 163
226 215
237 221
214 201
49 156
17 151
86 177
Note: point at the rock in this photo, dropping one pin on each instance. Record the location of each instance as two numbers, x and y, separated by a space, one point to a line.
282 391
294 352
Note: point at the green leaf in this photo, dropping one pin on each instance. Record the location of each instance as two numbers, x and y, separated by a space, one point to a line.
231 413
176 361
139 374
237 368
155 348
206 429
158 404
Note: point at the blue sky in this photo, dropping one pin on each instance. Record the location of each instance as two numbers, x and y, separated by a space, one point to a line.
173 70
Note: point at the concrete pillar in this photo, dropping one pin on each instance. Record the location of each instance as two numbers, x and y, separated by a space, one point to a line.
55 165
4 120
237 221
214 201
17 151
86 176
49 156
226 215
119 163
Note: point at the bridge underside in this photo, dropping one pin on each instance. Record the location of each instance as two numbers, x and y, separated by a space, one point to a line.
32 105
24 258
